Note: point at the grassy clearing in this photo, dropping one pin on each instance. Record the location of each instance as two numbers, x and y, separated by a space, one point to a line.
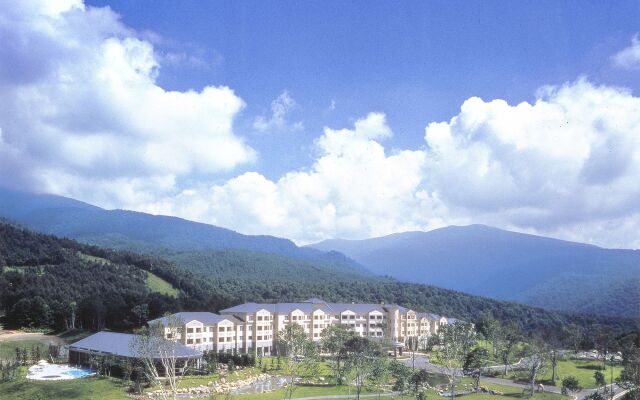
512 392
80 389
159 285
74 335
8 349
94 259
582 370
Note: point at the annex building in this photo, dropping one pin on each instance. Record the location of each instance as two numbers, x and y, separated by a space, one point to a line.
252 327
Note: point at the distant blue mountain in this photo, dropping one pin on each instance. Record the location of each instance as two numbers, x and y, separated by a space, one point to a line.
138 231
506 265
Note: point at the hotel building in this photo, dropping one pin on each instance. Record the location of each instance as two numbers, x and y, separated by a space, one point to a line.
252 327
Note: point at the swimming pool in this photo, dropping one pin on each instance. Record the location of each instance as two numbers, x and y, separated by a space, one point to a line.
44 371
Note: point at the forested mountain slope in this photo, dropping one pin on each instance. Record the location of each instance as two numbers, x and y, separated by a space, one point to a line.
506 265
45 280
151 234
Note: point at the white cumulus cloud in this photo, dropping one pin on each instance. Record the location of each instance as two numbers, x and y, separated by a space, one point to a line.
281 107
83 116
565 165
629 57
354 189
568 161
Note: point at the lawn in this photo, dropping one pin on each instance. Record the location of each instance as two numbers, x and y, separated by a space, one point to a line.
81 389
8 349
512 392
582 370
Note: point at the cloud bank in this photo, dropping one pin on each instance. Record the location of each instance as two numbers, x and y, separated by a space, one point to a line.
566 165
83 116
81 109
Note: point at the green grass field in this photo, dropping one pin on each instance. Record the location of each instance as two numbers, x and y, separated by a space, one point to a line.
159 285
80 389
8 349
582 370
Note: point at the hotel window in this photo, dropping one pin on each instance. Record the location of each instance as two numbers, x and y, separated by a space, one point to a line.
221 339
189 341
229 339
229 329
259 317
352 317
259 337
221 329
250 318
189 330
211 329
197 340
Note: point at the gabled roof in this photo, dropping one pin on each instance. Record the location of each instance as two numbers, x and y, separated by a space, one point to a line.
310 305
206 318
273 308
122 344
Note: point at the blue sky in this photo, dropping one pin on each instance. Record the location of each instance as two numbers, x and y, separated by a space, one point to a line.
314 120
417 61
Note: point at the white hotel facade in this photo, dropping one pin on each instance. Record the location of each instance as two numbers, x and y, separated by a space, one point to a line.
252 327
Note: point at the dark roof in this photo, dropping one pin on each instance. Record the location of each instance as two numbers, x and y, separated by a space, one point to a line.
202 316
122 344
429 316
309 306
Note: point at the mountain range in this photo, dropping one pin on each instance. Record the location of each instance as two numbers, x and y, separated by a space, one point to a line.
45 281
150 234
506 265
476 259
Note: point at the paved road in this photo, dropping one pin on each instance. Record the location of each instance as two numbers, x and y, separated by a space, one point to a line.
422 361
345 396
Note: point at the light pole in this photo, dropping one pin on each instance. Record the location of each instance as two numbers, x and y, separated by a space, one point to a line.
611 385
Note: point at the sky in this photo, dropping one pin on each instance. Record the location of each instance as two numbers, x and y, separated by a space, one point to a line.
325 119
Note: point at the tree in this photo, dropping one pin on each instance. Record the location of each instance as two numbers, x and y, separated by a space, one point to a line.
161 364
604 342
534 361
418 381
475 363
509 336
599 378
362 356
570 384
302 356
555 339
490 328
401 373
412 343
456 341
630 376
333 342
380 375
